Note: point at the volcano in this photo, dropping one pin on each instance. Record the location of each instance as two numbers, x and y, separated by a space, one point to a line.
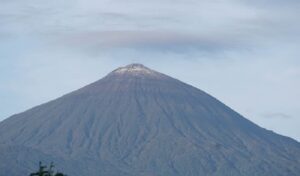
139 122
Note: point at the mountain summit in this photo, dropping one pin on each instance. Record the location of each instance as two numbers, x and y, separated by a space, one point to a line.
135 69
136 121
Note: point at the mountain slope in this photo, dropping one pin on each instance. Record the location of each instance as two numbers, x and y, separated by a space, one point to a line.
136 121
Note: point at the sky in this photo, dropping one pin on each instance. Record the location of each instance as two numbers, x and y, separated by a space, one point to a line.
245 53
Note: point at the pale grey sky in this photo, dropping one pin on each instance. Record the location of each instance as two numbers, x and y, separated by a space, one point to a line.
245 53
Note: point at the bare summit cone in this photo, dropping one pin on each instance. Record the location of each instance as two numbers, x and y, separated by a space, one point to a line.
136 121
136 70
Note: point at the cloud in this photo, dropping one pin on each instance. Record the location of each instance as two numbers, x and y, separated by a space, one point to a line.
277 115
181 26
149 40
272 3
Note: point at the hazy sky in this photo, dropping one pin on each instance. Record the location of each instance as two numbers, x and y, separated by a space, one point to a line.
246 53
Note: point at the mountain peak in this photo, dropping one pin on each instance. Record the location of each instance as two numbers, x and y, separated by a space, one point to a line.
135 69
138 121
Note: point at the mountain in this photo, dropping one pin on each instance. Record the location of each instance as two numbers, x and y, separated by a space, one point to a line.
136 121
